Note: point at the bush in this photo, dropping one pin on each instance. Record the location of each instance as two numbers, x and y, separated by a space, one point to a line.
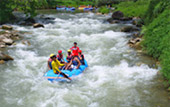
104 10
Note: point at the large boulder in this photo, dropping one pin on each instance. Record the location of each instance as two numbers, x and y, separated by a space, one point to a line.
6 27
129 29
117 15
5 57
37 25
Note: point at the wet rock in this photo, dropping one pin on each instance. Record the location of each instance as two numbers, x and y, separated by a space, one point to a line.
136 34
2 62
6 27
5 57
117 15
125 18
37 25
129 29
2 45
8 41
111 21
137 21
134 41
26 42
30 20
98 13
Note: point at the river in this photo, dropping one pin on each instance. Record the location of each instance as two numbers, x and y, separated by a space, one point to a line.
113 79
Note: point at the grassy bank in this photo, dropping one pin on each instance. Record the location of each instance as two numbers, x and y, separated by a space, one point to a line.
131 8
156 16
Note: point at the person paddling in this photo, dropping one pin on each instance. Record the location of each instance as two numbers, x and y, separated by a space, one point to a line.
55 67
50 61
75 49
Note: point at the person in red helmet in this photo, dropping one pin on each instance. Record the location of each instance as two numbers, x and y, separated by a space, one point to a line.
75 49
81 57
60 56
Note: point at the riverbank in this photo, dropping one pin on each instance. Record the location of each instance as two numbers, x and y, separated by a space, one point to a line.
155 18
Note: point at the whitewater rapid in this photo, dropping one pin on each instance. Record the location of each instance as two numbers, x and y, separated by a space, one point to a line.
112 79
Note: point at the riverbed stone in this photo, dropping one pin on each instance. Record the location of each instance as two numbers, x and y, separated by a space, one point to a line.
7 41
37 25
7 27
137 21
5 57
2 62
129 29
117 15
2 45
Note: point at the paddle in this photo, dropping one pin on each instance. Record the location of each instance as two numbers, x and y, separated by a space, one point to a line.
64 74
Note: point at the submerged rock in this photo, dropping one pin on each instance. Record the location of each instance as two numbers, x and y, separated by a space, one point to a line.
37 25
7 27
111 21
5 57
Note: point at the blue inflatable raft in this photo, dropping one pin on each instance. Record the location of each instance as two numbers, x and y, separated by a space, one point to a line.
70 8
51 76
60 8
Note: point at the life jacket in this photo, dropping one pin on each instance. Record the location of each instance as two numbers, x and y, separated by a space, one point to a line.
69 57
49 62
59 57
75 50
75 63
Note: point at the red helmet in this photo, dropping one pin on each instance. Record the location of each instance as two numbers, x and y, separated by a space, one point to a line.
60 51
79 51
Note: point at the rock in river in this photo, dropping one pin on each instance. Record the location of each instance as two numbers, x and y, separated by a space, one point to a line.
5 57
6 27
117 15
37 25
129 29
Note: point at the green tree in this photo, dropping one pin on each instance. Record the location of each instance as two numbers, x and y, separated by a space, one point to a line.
28 6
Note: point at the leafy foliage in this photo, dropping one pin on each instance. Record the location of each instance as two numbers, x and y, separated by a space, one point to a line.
104 10
131 8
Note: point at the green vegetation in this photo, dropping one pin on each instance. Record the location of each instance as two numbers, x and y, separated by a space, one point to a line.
157 35
71 3
132 8
104 10
28 6
156 16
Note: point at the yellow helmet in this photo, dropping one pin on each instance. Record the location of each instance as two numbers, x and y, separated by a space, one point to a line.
68 50
51 55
